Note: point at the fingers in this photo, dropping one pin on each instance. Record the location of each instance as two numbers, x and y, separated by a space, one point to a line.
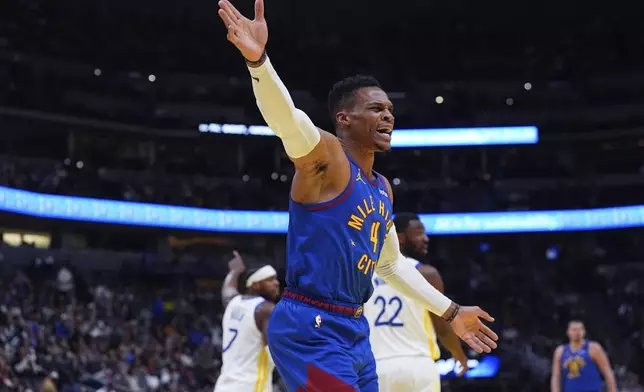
226 17
236 254
477 345
233 29
231 10
231 18
464 368
487 331
233 35
486 340
479 342
259 9
484 315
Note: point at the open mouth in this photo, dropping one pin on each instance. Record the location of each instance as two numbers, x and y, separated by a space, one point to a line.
385 131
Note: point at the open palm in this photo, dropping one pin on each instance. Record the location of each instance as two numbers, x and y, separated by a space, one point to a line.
249 36
468 326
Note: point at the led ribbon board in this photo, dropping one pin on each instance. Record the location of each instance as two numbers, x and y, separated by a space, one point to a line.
244 221
486 367
428 137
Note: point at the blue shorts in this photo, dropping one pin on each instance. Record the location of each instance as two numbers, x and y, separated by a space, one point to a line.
317 350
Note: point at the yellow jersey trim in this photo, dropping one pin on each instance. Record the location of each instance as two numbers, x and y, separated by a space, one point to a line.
262 371
434 351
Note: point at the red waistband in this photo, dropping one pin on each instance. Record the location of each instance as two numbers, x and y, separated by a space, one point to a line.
354 312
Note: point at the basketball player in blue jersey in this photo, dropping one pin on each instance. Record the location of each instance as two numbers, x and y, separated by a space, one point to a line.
579 365
340 228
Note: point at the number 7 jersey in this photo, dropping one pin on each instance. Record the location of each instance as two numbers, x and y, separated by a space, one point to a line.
247 366
399 326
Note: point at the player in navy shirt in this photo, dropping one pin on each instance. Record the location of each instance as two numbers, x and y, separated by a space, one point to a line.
340 228
579 365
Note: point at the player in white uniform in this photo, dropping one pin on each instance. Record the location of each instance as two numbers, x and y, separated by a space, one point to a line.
403 334
247 365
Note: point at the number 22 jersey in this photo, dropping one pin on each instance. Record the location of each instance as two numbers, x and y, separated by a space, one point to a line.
399 326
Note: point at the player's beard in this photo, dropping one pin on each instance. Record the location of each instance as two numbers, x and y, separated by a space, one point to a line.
411 251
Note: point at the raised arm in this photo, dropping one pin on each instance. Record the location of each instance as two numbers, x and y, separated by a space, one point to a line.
229 288
314 152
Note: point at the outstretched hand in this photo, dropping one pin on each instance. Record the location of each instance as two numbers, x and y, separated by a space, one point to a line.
249 36
468 326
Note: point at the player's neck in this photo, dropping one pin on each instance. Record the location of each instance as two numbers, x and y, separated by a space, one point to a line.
577 345
365 162
364 159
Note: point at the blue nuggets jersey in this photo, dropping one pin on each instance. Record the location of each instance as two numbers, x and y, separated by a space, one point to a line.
579 372
333 247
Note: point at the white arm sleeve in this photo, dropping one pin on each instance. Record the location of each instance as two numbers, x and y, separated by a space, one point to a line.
298 133
406 279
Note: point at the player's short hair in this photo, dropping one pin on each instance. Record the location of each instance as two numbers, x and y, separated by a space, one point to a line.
343 92
403 219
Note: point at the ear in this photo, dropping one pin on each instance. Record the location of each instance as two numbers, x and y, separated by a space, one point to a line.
342 119
401 238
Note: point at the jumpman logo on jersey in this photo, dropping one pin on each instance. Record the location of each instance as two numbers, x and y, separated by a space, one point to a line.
353 243
359 177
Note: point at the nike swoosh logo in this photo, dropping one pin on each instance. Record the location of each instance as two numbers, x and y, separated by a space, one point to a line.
255 79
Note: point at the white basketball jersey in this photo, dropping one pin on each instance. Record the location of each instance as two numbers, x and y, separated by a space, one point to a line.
247 366
399 326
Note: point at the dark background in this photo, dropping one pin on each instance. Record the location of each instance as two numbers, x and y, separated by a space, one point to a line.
80 116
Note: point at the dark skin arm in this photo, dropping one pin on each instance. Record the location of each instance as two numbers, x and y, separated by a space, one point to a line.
322 174
598 355
555 377
444 332
262 315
